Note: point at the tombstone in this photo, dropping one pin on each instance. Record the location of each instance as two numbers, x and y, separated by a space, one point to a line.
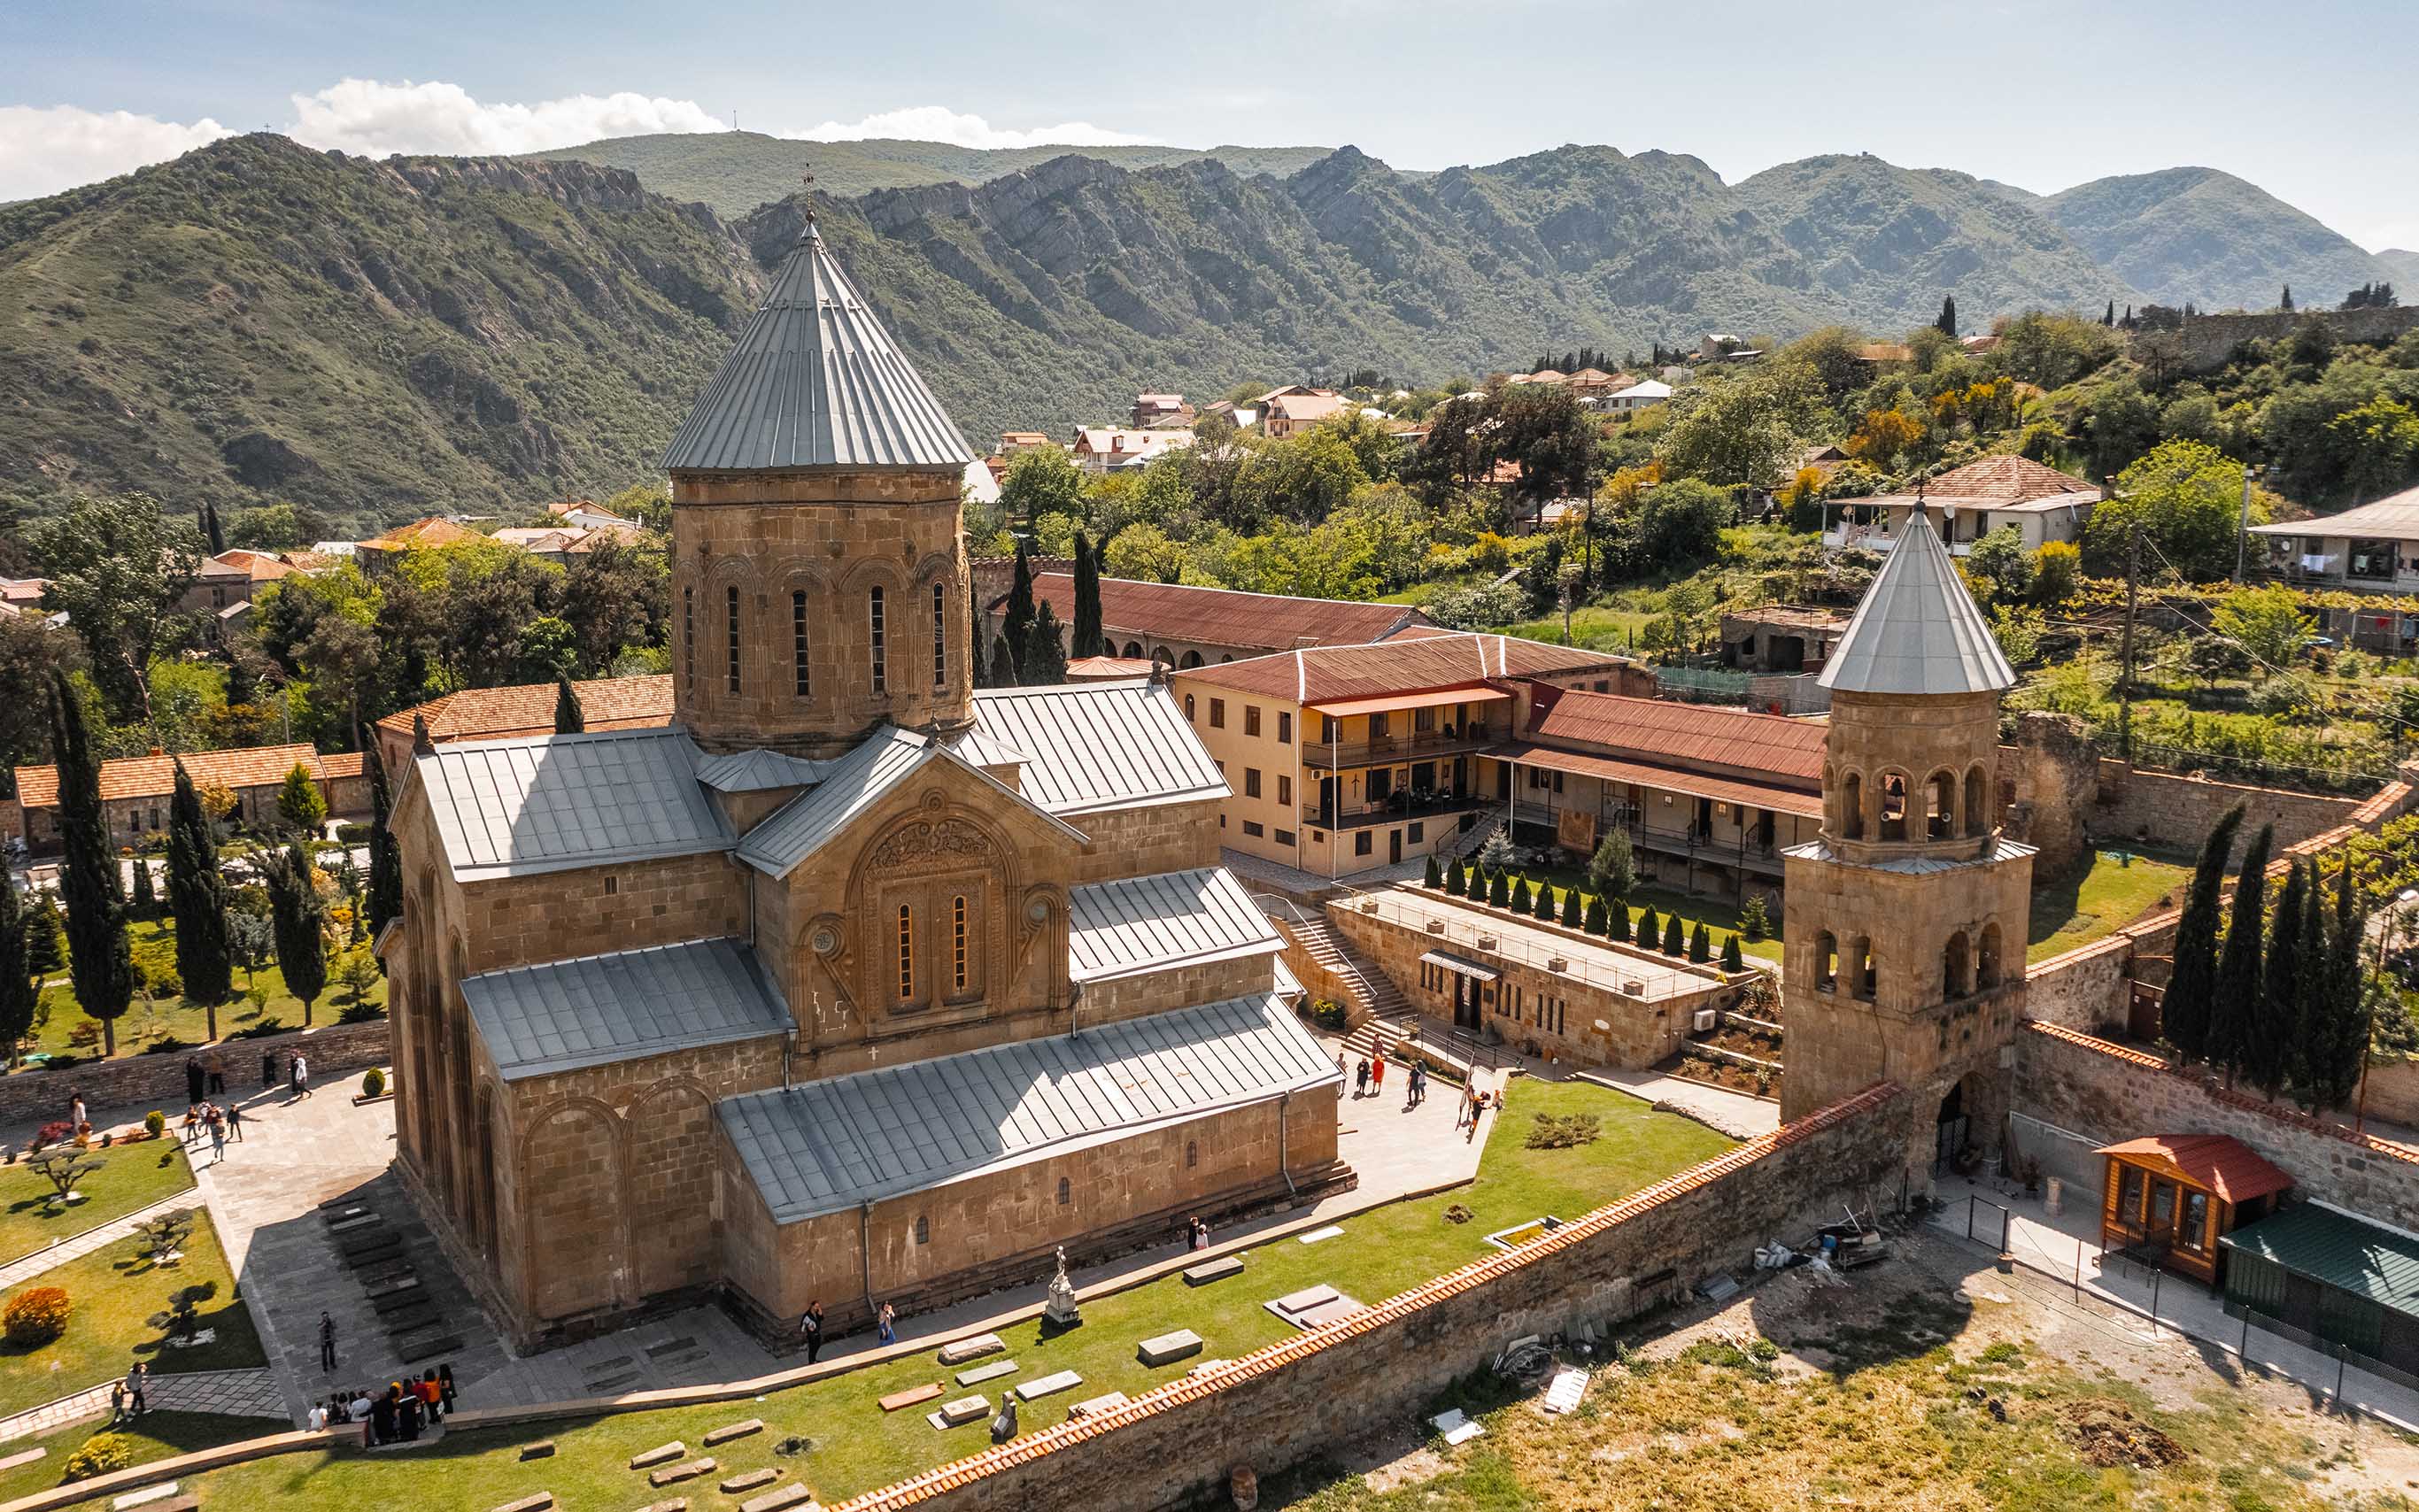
1166 1349
958 1352
1217 1270
1059 1311
735 1430
660 1455
1049 1385
981 1373
1003 1426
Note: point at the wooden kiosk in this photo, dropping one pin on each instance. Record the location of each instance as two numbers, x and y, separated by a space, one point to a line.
2169 1196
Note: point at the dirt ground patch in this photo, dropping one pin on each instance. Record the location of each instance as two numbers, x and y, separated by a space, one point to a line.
2108 1434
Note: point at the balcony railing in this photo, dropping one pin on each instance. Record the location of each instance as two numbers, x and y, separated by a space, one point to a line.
1392 810
1744 848
1410 746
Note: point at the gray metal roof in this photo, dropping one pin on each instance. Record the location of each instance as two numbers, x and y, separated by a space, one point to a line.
606 1008
976 749
1917 630
1138 924
758 771
1999 849
815 381
512 808
1092 746
826 1146
851 784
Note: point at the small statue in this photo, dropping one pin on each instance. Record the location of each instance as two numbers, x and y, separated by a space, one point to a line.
1003 1427
1059 1311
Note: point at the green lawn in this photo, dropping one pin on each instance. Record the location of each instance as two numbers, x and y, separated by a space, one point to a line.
113 1291
1721 917
856 1448
1596 626
2090 904
152 1436
148 1021
134 1176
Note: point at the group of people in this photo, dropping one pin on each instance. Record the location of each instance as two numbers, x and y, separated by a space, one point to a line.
217 1124
1196 1233
1369 1079
397 1415
810 1326
125 1396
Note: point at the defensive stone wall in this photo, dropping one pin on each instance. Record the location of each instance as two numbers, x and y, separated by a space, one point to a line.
159 1080
2206 341
1179 1445
2109 1092
2173 810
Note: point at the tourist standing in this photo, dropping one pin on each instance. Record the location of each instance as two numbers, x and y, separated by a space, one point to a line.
215 1063
1378 1074
235 1121
1360 1078
218 1136
429 1396
883 1322
136 1375
327 1343
299 1073
194 1090
445 1385
75 1112
811 1325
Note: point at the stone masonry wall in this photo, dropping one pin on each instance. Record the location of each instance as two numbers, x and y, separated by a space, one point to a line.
2107 1093
159 1080
2207 342
1175 1446
562 916
2171 809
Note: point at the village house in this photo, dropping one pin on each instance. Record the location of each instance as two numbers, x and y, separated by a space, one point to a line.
1150 409
644 702
1645 395
1100 449
1969 503
1290 414
1780 639
1181 625
135 790
585 514
2373 548
378 555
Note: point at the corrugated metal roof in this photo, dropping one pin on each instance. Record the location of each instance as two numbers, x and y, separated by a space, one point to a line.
815 381
758 771
600 1009
1661 730
1093 745
851 785
1999 849
1917 630
2338 1249
1320 674
1138 924
511 808
1670 779
2394 517
2214 1163
1132 610
826 1146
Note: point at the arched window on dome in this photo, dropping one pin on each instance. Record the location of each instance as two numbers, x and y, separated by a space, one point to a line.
1940 806
1893 806
1978 803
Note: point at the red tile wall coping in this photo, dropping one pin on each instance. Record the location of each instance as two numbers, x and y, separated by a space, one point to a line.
1387 1314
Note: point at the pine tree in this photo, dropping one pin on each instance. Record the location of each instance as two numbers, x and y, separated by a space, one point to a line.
1087 598
1700 947
1948 321
384 903
1733 957
569 719
299 919
1044 662
1003 664
1573 915
1435 878
197 896
45 937
18 994
2236 1001
141 902
98 961
1616 923
2194 977
1673 941
300 802
1599 918
2268 1052
1016 623
210 529
2286 304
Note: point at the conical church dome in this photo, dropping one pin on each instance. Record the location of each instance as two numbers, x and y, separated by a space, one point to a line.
1919 630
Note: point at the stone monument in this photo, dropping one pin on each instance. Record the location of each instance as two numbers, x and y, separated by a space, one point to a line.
1003 1427
1059 1311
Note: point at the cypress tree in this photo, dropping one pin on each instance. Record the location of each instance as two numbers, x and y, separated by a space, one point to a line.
2185 1015
1017 622
1732 959
2236 1001
1616 923
1544 905
1948 321
1648 927
1003 665
1598 919
1499 892
197 896
1087 598
2268 1052
99 961
1700 946
1673 943
569 719
297 917
1044 662
142 903
1529 896
2343 1006
385 898
210 529
1435 878
2286 304
1573 915
45 952
2110 318
2316 1039
18 994
980 673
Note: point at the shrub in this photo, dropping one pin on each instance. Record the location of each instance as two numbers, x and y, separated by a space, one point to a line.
361 1012
372 1083
34 1316
260 1030
1732 959
155 1123
1755 920
1553 1132
1674 941
100 1455
52 1133
1327 1013
352 834
167 984
1435 878
168 1044
1700 947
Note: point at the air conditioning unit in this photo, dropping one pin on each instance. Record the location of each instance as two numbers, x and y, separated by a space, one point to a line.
1704 1020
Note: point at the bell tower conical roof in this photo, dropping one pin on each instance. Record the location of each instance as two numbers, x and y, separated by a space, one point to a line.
814 381
1917 630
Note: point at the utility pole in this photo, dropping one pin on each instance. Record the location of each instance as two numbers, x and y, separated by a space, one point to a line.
2125 683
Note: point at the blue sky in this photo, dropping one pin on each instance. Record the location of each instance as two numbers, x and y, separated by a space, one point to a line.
2311 101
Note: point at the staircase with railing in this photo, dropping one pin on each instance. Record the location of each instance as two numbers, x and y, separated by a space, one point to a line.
1382 1018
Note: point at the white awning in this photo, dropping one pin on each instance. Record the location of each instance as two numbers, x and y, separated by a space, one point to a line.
1457 964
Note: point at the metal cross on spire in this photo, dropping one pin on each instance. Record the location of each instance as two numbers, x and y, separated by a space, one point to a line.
808 179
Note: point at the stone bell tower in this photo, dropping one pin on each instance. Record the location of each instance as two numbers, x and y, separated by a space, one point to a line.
818 578
1905 923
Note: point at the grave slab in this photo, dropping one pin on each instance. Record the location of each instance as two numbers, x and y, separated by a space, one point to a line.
792 1494
965 1410
958 1351
1166 1349
144 1497
1093 1405
911 1396
1307 1298
529 1504
1318 1314
735 1430
986 1372
1217 1270
738 1485
22 1457
674 1474
1318 1235
1049 1385
661 1454
542 1449
675 1504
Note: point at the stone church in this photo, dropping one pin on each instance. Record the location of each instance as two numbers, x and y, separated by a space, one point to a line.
852 984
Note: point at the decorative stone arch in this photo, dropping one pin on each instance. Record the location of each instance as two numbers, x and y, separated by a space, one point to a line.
1191 659
939 846
850 619
724 573
796 574
1893 795
574 1232
1989 960
1827 961
936 610
1940 805
1978 801
668 1132
1957 967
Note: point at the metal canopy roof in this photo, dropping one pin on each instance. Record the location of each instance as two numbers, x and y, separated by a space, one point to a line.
1435 699
815 381
826 1146
851 784
1917 630
600 1009
1140 924
1094 746
1457 964
2364 1258
514 808
758 771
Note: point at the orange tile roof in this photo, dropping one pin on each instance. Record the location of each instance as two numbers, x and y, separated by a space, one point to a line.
261 566
1791 749
339 766
528 709
155 776
420 534
1326 675
1222 616
1646 773
2214 1163
2013 479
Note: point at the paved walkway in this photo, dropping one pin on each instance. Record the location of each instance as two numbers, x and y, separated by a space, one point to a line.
2066 1247
16 1274
230 1393
1735 1113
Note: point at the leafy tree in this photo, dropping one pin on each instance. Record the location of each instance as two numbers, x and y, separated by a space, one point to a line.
19 996
343 661
120 566
252 940
2053 350
614 595
357 976
2057 572
1088 599
2267 624
2192 981
1044 663
1673 942
2381 438
30 652
280 527
1742 428
1884 436
1999 566
2235 1004
2268 1048
300 923
98 961
1676 527
198 896
1541 428
301 803
2187 498
1755 919
1042 481
568 719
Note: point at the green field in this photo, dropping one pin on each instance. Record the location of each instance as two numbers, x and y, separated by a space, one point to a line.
2090 904
152 1436
133 1176
856 1448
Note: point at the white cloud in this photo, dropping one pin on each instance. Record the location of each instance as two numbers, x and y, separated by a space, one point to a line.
44 150
374 119
938 123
